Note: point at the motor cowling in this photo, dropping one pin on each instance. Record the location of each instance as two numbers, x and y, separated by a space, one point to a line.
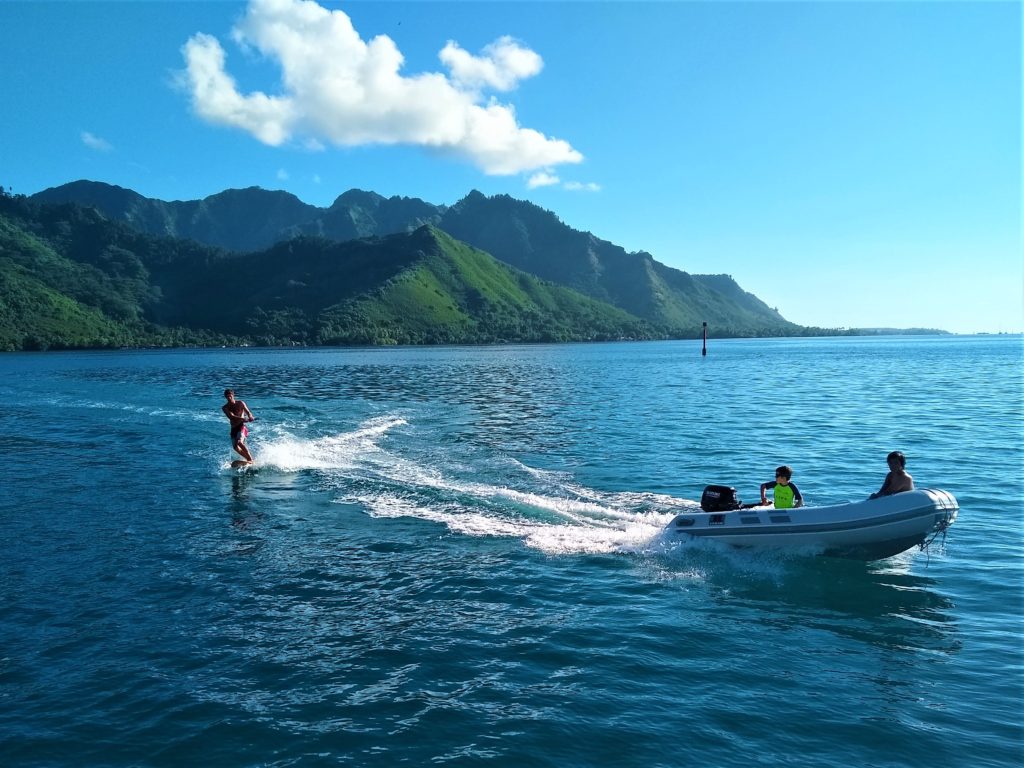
719 498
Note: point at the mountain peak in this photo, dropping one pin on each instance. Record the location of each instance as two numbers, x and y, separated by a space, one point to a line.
360 197
257 195
110 199
474 196
81 185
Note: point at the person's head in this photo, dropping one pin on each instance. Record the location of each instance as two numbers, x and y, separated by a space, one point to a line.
896 460
229 394
783 474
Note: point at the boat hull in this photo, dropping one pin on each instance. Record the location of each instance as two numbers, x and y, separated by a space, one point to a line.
873 529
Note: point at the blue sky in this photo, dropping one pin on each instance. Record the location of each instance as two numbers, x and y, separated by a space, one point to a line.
853 164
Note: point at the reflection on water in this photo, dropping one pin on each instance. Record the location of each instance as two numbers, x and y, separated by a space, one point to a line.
240 504
883 605
246 516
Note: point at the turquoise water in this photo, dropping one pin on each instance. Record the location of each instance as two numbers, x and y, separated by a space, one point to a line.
453 556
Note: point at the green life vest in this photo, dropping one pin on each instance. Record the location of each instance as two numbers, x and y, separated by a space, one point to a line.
783 496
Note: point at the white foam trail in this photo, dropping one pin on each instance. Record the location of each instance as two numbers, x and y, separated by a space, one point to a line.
598 524
548 537
634 498
377 426
552 513
597 512
565 539
573 510
550 475
345 451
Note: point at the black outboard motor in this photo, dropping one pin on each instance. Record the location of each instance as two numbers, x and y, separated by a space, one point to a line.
719 498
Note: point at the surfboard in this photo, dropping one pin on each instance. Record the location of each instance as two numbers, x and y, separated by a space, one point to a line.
241 464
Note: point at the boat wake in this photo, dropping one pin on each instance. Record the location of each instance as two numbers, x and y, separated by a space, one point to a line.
391 472
286 452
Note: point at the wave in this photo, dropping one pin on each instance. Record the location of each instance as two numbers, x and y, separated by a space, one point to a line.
477 496
286 452
391 472
576 536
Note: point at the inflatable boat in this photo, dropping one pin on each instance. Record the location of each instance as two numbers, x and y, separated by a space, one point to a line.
872 529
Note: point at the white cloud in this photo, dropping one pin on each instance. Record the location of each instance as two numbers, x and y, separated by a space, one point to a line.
95 142
316 178
542 179
282 174
342 90
217 100
502 66
576 186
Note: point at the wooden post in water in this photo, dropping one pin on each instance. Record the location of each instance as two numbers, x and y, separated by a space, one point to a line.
704 350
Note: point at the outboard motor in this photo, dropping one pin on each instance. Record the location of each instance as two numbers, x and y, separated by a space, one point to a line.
719 498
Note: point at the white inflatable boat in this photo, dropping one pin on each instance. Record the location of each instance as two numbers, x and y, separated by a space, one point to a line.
864 530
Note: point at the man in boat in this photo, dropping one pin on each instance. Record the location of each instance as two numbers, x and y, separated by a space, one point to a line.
238 414
898 480
786 494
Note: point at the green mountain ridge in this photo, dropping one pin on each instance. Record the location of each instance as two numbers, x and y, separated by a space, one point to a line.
71 278
516 232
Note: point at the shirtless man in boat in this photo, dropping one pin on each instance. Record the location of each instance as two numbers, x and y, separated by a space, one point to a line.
898 480
238 414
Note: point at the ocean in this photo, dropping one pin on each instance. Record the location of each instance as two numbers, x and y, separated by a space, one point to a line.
454 556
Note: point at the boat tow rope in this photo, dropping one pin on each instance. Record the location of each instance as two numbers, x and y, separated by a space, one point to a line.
926 545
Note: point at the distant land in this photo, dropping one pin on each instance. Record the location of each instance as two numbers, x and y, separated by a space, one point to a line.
89 265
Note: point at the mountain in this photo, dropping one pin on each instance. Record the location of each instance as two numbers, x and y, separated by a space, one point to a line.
70 277
514 231
535 240
236 219
421 287
357 214
249 219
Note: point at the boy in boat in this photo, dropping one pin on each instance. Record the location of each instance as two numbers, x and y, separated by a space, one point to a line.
898 480
238 414
786 494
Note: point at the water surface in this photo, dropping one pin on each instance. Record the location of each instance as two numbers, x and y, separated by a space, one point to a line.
454 555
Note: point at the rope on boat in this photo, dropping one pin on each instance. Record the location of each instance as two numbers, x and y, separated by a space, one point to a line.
927 543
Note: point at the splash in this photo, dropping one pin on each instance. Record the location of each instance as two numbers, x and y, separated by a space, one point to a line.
391 472
547 510
286 452
577 533
479 496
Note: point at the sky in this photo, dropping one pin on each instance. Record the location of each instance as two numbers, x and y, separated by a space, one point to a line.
853 164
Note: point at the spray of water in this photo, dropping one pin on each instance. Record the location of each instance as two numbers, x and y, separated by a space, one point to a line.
546 510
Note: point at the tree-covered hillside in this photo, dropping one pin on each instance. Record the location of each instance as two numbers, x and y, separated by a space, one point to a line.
516 232
453 293
71 278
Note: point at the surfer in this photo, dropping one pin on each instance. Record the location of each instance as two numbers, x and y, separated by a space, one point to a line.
238 414
898 480
786 494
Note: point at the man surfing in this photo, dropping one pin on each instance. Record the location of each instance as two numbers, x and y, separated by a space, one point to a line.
238 414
